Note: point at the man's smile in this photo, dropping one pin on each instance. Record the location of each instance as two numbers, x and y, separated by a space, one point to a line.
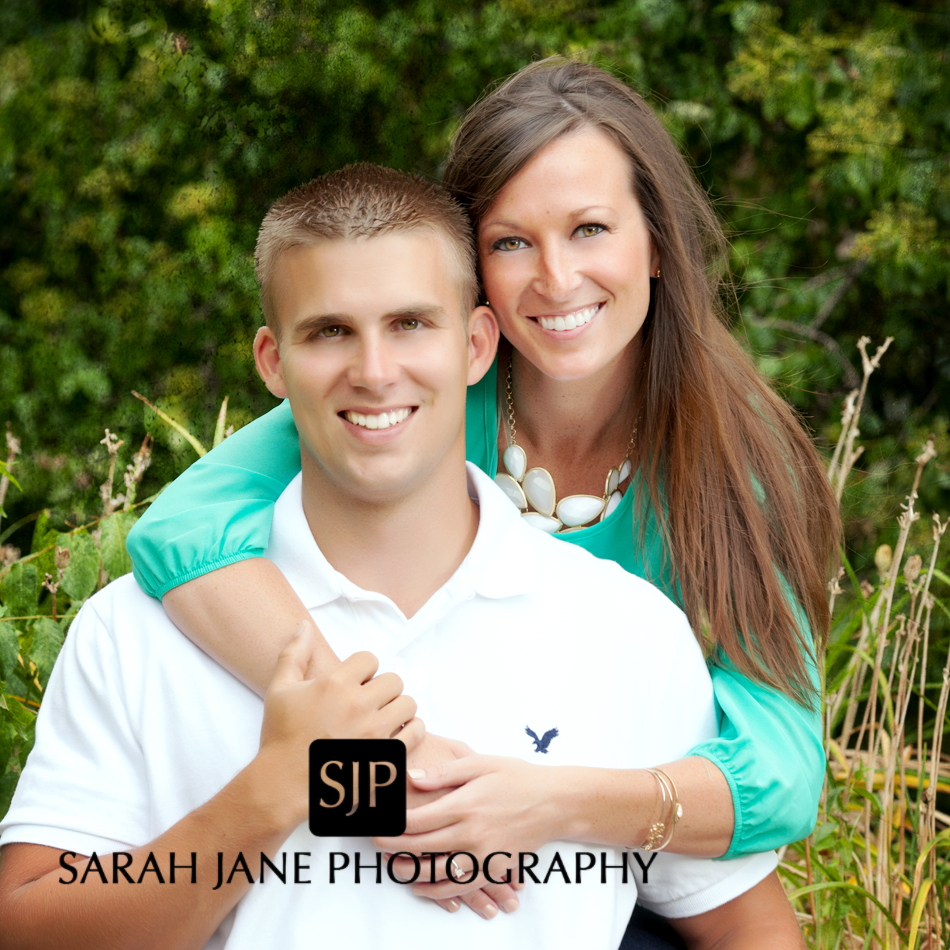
383 419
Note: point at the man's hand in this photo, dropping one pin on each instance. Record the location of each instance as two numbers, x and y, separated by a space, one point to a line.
431 753
347 702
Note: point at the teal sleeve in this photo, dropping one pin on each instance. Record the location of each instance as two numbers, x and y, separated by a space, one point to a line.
481 422
770 750
219 511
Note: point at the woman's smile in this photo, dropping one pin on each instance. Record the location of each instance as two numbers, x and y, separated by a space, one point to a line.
568 321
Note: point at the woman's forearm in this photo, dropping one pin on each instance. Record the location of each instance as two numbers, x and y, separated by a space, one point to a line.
243 615
618 807
503 804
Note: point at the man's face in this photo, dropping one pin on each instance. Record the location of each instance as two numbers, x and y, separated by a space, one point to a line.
375 358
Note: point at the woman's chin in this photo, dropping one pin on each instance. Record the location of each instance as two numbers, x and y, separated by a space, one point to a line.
575 363
566 367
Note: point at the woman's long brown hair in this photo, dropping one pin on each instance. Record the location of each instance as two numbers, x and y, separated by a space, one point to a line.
738 488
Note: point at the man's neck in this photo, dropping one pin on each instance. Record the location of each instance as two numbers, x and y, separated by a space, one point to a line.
406 548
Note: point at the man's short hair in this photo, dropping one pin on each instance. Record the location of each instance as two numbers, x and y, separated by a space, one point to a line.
363 201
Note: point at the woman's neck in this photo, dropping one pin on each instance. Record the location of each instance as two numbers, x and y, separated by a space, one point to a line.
576 429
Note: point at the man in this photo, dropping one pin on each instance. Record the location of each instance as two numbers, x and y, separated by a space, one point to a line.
155 759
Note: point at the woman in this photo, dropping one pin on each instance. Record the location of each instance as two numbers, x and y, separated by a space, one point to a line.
597 251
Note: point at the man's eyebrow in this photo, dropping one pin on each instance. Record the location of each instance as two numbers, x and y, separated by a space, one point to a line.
320 321
418 310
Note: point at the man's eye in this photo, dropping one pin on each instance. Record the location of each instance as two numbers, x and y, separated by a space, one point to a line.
328 333
508 244
589 230
409 323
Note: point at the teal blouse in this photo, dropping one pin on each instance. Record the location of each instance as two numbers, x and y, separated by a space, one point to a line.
769 747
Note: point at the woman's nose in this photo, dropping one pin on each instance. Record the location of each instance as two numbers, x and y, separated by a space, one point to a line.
558 276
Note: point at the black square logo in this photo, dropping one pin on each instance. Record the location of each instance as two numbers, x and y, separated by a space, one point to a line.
357 787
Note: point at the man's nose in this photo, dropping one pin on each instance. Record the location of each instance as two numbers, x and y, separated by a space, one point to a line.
374 365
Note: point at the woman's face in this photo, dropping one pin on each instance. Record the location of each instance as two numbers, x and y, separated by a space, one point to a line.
566 257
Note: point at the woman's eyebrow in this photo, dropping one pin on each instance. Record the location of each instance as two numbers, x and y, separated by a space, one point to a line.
576 213
590 209
492 223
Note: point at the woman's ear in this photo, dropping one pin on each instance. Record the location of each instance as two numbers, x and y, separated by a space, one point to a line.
482 342
267 361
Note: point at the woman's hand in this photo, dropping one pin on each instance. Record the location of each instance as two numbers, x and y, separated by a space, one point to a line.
434 757
495 805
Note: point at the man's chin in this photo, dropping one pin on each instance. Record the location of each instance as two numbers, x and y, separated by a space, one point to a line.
383 487
390 479
379 494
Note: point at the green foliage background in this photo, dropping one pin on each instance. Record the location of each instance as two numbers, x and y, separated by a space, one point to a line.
141 143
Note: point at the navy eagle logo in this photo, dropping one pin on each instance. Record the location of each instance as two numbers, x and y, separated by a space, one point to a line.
541 745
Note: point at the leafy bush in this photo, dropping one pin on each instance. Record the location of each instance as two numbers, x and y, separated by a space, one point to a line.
41 592
141 143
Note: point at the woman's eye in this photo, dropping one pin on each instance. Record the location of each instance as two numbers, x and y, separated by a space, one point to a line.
589 230
508 244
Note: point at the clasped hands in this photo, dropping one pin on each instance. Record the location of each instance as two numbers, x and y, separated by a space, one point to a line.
458 801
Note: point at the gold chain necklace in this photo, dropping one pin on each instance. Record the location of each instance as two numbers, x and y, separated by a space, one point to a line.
532 490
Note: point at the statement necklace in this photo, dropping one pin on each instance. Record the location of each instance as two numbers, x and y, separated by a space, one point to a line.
532 490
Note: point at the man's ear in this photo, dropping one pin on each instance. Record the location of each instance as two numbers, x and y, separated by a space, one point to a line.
267 361
482 343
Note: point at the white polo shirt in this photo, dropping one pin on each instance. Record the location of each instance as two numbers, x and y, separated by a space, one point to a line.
139 727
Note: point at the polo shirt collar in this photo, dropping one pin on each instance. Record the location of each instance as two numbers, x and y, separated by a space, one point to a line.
501 562
293 549
503 559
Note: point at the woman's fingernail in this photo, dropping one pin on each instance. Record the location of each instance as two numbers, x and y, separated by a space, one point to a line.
453 905
510 905
489 911
417 773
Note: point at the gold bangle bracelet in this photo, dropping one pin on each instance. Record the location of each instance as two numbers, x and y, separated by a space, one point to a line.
657 830
660 833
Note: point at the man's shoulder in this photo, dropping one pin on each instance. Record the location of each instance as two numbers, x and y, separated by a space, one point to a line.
514 547
123 635
123 614
570 567
124 599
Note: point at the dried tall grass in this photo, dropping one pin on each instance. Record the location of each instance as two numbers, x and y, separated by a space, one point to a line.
869 877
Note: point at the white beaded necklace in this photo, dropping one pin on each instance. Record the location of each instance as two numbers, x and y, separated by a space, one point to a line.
534 488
